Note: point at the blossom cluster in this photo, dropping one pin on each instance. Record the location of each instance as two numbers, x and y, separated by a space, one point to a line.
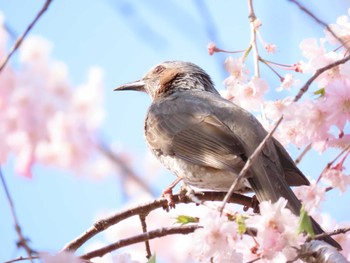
44 118
322 117
276 239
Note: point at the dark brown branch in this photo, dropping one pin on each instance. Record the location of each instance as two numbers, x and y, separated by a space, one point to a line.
319 21
21 38
166 231
21 259
103 224
22 241
301 156
144 230
331 233
317 74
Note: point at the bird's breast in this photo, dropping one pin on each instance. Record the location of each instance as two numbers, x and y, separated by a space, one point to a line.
203 177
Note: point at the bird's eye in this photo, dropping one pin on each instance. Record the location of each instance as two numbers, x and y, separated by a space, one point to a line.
158 69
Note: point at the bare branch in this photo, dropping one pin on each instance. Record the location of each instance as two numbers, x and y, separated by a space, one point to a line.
144 230
301 156
252 18
332 233
166 231
318 73
103 224
22 259
21 38
319 21
22 241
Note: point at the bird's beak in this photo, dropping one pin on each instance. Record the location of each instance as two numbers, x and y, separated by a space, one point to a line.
138 85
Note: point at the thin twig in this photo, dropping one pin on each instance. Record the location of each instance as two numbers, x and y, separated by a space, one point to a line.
22 241
331 233
21 38
318 73
144 230
165 231
21 259
301 156
319 21
249 163
105 223
253 44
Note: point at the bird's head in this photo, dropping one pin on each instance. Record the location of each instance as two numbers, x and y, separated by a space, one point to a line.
170 76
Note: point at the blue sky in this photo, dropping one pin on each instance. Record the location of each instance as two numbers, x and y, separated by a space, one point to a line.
126 38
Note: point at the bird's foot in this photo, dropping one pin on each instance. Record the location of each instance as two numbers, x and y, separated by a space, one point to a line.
168 194
254 204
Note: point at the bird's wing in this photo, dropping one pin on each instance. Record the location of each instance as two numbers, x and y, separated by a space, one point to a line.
198 138
294 176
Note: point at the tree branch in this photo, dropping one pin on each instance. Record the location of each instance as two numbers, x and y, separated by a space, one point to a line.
21 38
161 232
105 223
319 21
317 74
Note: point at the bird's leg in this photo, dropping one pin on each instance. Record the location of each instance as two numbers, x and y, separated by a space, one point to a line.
254 204
168 192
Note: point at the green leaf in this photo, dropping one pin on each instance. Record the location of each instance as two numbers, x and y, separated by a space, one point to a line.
152 259
305 224
246 53
320 92
240 220
183 219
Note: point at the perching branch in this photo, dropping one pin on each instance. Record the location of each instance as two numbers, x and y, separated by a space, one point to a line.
319 21
105 223
21 38
165 231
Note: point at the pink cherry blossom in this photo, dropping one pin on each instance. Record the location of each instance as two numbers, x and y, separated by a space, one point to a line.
45 120
212 48
337 102
341 29
276 230
238 71
287 82
248 95
270 48
335 177
311 196
215 240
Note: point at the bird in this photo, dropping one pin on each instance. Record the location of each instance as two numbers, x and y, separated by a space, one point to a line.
205 139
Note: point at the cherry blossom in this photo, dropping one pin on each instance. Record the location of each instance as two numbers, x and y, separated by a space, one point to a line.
238 71
337 102
311 196
45 120
215 240
341 29
276 230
